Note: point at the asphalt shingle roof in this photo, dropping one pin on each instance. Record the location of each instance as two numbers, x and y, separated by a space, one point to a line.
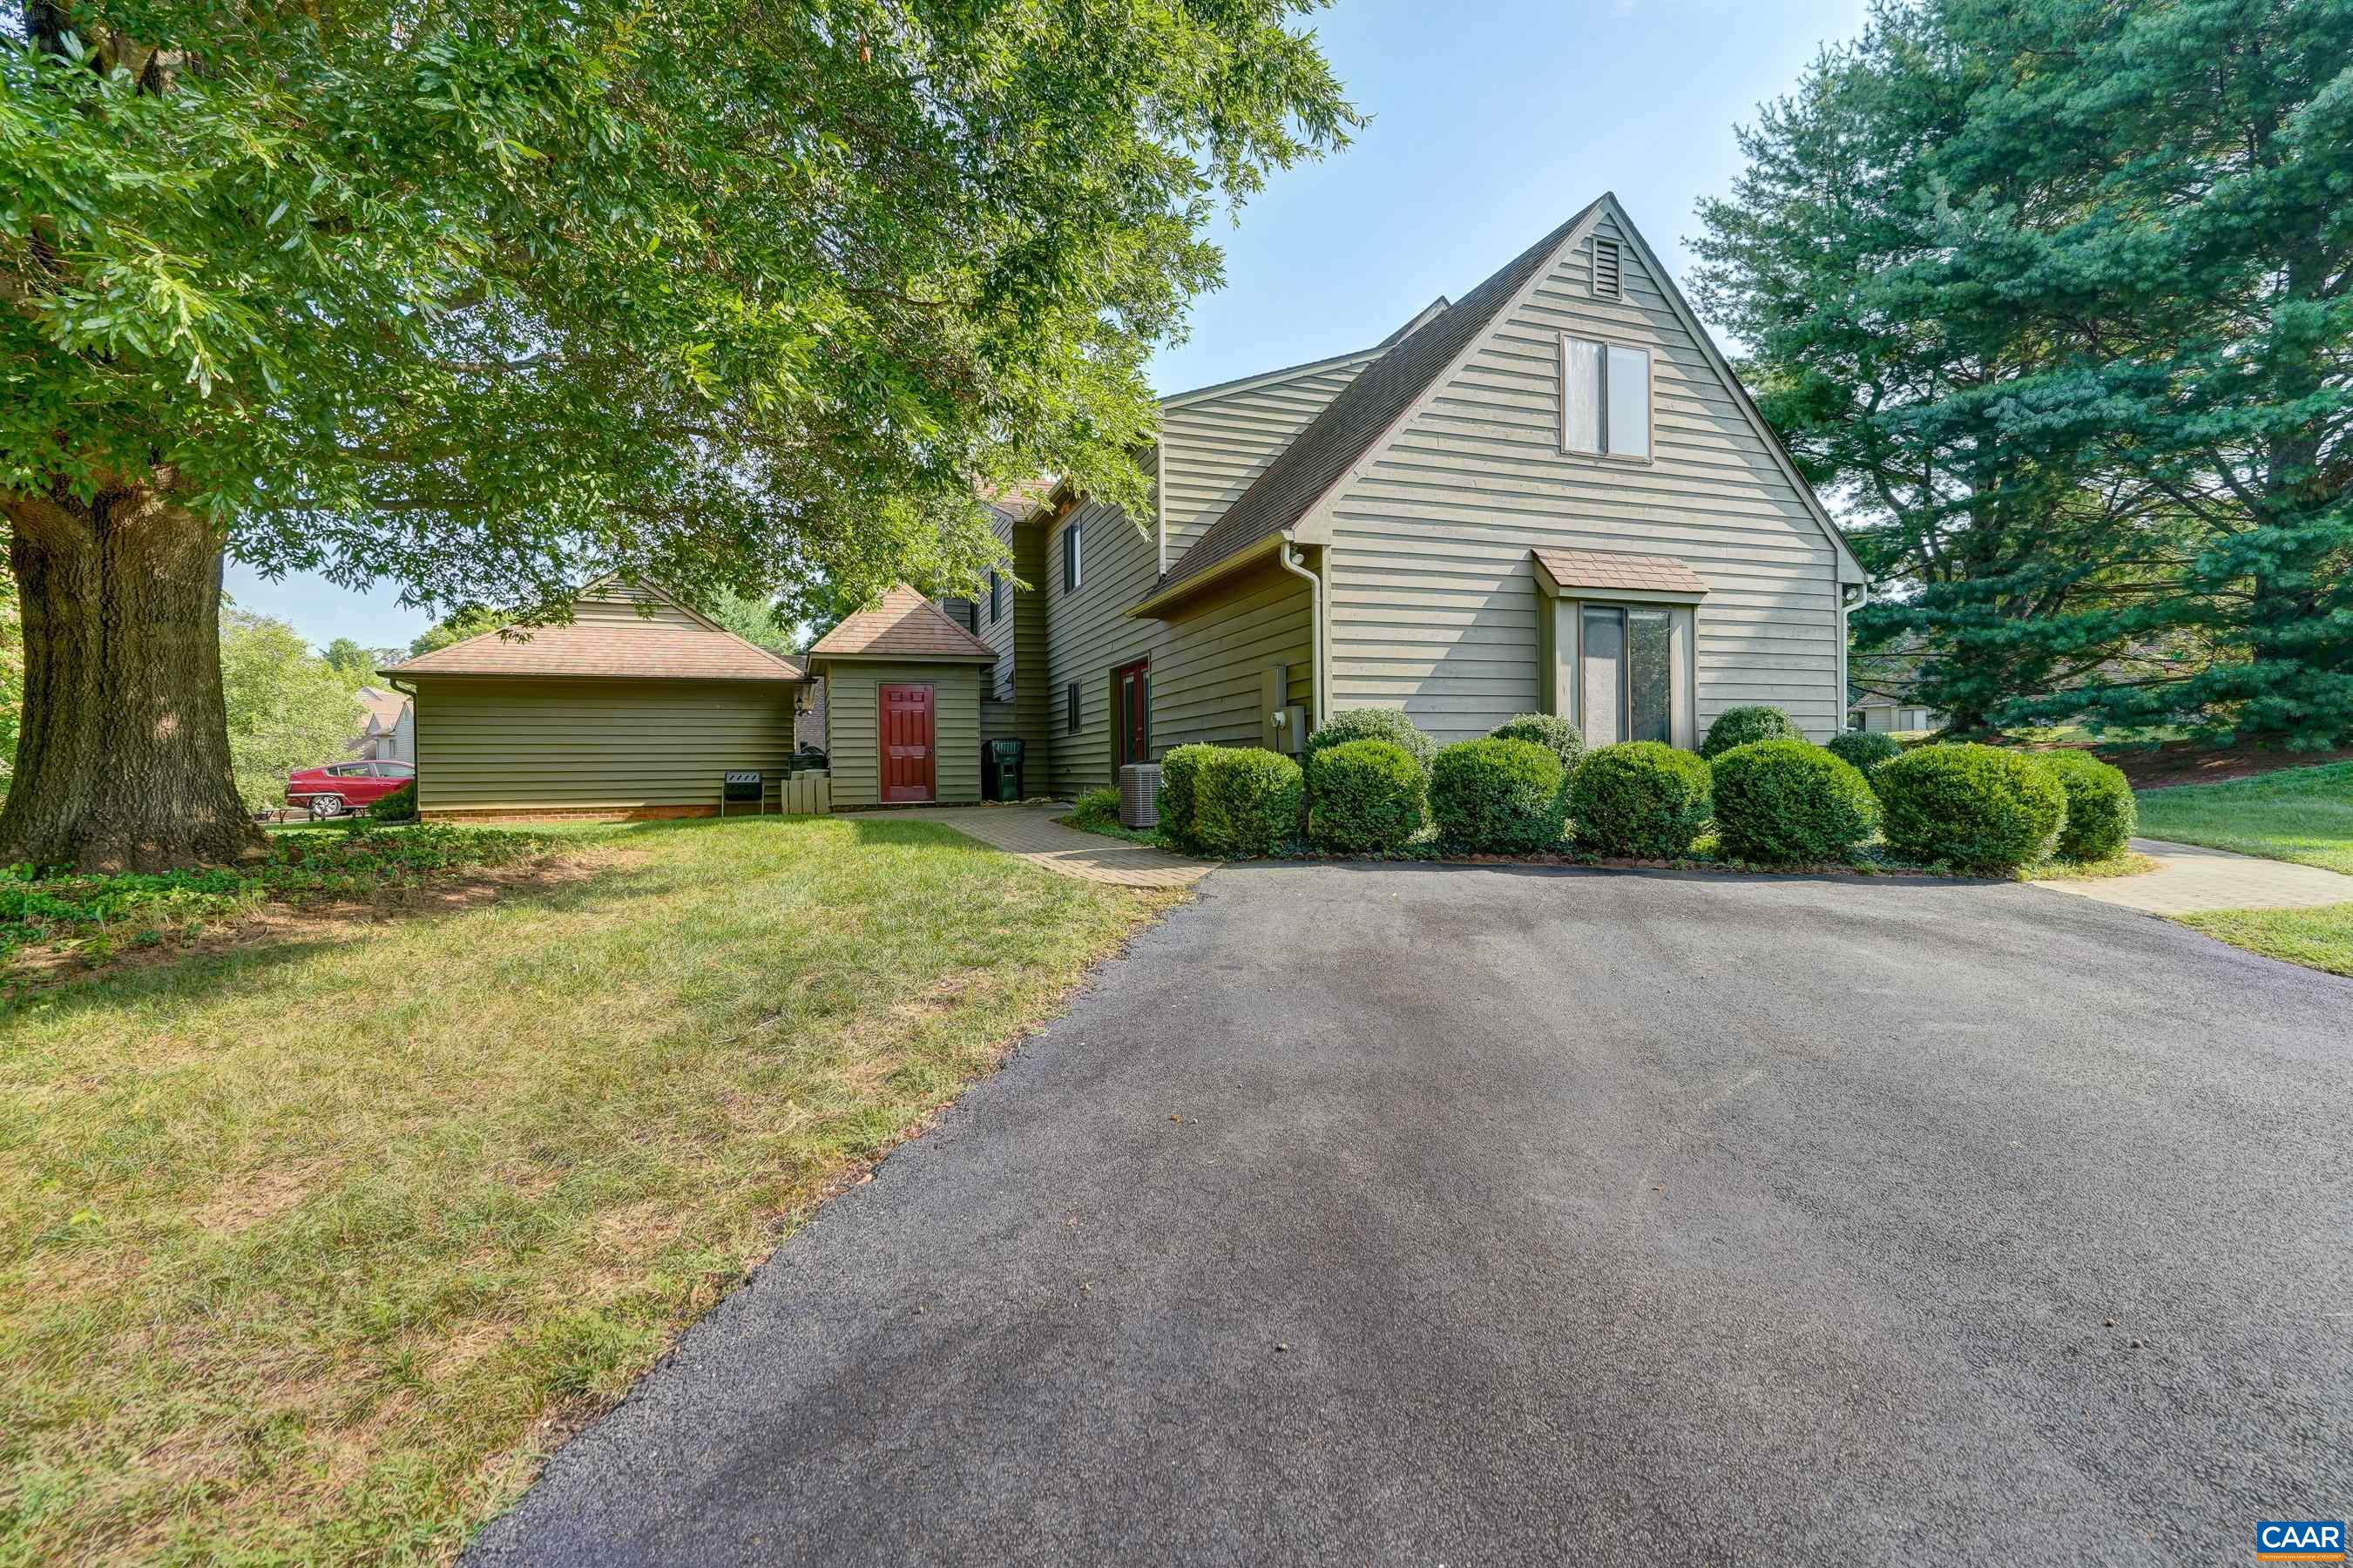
1350 424
1609 569
674 647
905 625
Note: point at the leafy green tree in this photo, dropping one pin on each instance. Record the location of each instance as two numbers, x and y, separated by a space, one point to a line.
489 299
471 621
356 663
287 708
753 617
2053 295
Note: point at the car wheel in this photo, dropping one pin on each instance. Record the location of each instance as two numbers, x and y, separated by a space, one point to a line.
323 807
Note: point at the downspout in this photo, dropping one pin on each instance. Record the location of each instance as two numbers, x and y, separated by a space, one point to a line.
1861 597
1292 560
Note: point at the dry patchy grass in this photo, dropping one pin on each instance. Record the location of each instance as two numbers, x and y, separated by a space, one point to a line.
309 1248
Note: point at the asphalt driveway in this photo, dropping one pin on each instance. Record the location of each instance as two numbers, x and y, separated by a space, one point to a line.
1486 1215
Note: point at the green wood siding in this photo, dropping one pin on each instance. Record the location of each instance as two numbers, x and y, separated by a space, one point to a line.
1019 639
519 742
1434 602
1213 447
852 715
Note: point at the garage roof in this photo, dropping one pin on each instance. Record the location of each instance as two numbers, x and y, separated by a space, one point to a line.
609 636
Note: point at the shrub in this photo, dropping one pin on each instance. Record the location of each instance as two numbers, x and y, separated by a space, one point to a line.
1550 730
1978 808
400 805
1866 749
1367 724
1499 797
1784 803
1739 726
2101 814
1180 772
1370 797
1245 802
1096 810
1638 798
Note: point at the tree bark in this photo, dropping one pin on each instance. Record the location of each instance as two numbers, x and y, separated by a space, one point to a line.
122 761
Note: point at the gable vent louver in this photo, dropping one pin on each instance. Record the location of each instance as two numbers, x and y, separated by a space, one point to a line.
1607 270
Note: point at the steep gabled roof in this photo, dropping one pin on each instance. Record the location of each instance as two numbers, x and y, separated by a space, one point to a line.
682 646
905 625
1351 422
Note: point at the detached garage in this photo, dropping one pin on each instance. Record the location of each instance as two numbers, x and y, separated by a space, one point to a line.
635 709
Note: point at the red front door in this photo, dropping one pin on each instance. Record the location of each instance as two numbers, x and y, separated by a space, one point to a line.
909 771
1134 741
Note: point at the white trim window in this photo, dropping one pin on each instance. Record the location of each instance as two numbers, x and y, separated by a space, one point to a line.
1605 399
1073 559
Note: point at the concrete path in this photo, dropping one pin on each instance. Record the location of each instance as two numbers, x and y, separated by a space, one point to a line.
1031 832
2195 878
1504 1215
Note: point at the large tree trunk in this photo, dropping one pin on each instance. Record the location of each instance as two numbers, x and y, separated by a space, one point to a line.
122 761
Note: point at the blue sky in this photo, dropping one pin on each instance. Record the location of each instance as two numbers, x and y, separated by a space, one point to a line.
1491 122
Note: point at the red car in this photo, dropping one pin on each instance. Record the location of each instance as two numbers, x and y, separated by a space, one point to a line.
339 787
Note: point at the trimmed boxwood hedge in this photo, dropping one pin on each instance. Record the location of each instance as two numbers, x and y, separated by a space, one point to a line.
1977 808
1245 801
1738 726
1638 798
1370 797
1551 732
1789 803
1866 749
1180 772
2101 812
1500 797
1367 724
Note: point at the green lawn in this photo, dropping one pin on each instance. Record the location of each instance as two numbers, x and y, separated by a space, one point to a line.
2318 939
309 1249
2298 814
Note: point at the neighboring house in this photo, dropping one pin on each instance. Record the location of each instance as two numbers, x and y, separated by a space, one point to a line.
633 710
1890 711
1550 496
388 733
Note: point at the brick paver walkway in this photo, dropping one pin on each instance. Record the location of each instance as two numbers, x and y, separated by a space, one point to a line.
1031 832
2194 878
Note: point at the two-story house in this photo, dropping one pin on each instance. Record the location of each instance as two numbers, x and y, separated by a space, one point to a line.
1551 495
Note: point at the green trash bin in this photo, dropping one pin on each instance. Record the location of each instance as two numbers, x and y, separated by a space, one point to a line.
1000 769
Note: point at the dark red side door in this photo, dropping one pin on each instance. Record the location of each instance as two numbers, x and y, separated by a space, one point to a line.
909 768
1134 716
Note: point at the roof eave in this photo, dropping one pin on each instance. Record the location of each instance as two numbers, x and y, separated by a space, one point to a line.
1152 606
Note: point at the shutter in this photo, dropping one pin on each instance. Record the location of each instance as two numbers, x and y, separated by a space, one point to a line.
1608 269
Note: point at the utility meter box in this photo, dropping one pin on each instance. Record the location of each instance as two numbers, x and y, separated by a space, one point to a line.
1289 726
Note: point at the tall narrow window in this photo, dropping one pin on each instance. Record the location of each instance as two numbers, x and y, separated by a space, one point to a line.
995 597
1601 683
1650 684
1072 566
1605 398
1070 708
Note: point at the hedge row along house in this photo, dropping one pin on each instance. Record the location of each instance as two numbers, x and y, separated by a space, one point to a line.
1549 496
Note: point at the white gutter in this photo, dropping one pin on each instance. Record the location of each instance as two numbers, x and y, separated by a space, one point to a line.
1861 597
1292 559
